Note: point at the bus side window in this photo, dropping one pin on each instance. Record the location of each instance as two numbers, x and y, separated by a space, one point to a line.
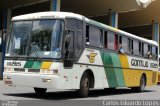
116 42
125 44
87 34
95 36
105 39
130 46
154 52
120 39
145 49
140 49
149 48
110 40
149 53
135 47
77 30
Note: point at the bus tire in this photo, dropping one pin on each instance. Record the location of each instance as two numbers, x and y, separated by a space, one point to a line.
40 91
84 85
142 85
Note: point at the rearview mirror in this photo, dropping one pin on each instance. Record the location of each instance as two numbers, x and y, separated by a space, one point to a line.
68 63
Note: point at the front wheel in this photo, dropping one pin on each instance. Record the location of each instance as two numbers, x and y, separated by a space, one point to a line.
40 91
84 86
142 85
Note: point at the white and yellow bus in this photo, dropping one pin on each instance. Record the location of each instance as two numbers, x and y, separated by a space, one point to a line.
58 50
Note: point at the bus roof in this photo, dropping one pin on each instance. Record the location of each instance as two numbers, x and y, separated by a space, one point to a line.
62 15
46 15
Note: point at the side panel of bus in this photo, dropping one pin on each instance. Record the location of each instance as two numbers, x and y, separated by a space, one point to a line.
114 70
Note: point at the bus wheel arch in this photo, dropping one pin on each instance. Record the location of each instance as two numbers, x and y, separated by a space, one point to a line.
86 82
142 84
91 77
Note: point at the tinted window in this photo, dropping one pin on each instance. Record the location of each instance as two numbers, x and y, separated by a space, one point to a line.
130 46
140 48
149 48
110 40
125 44
95 36
145 49
135 47
87 33
78 43
74 24
105 40
69 45
77 27
120 39
154 52
116 42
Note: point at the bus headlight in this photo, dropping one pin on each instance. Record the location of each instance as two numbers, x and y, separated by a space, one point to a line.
7 77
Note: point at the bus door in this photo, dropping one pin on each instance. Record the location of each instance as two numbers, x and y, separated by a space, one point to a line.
68 57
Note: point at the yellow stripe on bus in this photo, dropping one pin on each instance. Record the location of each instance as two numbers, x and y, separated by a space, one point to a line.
130 76
46 65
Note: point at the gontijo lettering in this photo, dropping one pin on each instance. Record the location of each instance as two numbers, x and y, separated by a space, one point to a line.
140 63
143 63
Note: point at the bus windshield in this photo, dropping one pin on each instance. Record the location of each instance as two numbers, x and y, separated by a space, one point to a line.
42 38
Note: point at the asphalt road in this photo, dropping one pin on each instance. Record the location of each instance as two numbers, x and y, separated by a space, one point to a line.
22 96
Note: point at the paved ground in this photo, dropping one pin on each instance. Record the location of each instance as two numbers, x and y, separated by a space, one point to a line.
26 96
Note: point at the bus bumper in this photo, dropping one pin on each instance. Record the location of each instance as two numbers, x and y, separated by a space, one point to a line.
32 80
